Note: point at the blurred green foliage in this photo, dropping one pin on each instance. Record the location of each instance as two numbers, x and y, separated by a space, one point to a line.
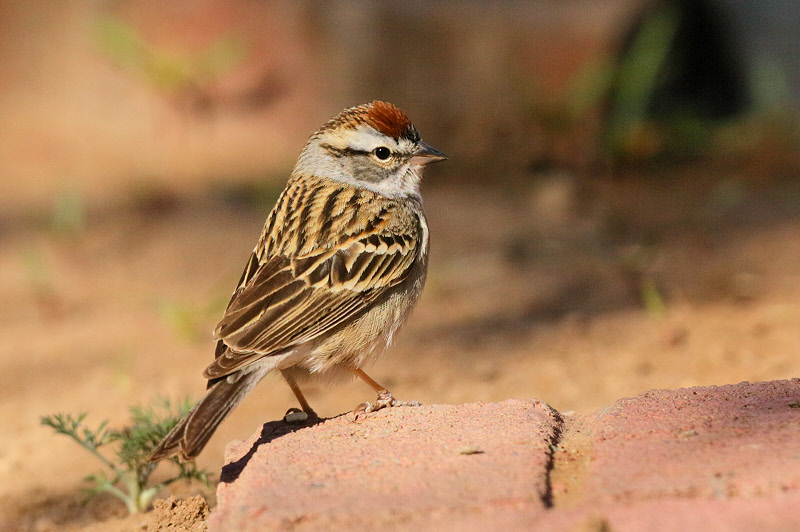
167 70
638 263
651 296
190 321
68 215
127 473
636 78
770 86
622 89
37 271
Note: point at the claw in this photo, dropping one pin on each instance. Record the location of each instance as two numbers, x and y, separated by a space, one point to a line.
385 400
363 408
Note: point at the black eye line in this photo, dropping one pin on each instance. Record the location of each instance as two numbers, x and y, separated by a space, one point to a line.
339 152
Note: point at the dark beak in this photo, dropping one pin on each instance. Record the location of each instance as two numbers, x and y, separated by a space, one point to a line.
426 155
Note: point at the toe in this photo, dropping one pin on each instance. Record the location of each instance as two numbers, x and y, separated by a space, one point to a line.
295 415
363 408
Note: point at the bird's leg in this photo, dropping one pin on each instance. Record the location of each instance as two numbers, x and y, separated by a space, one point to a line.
295 415
385 397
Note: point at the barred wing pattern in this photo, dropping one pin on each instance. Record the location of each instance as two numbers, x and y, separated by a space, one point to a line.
287 300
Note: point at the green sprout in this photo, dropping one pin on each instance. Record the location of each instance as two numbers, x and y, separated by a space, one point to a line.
637 263
127 474
651 296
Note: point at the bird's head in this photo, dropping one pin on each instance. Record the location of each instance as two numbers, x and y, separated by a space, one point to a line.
372 146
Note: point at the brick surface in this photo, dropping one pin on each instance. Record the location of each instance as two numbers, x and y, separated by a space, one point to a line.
712 458
722 442
437 466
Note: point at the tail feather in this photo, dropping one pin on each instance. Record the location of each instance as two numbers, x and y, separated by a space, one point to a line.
192 433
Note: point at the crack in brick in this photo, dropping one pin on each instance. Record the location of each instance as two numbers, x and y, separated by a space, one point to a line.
553 444
570 462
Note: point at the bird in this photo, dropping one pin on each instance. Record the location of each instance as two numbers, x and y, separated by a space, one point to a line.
340 264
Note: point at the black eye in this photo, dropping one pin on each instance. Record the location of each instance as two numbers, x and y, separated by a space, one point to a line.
383 153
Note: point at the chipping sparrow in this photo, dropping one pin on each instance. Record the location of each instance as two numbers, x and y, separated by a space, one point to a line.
339 266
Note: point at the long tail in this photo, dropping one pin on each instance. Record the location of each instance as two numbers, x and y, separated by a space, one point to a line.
192 433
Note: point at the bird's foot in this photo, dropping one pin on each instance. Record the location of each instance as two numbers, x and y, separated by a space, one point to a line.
295 416
385 400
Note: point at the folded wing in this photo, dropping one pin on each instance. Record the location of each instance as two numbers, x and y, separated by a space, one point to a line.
286 301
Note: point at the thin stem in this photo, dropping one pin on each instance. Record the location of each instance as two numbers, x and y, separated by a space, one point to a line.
92 449
146 496
124 497
134 490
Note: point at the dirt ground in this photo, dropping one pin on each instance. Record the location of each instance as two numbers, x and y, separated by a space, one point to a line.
576 292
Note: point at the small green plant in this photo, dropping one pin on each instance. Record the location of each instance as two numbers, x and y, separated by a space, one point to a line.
638 263
128 472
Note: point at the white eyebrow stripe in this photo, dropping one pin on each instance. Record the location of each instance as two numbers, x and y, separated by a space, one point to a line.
365 139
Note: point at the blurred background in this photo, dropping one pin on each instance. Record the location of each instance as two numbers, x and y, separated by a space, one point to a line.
620 211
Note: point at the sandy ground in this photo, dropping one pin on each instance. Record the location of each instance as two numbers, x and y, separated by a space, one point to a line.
573 292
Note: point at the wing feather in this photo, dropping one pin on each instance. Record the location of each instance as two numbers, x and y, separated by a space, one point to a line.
286 301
